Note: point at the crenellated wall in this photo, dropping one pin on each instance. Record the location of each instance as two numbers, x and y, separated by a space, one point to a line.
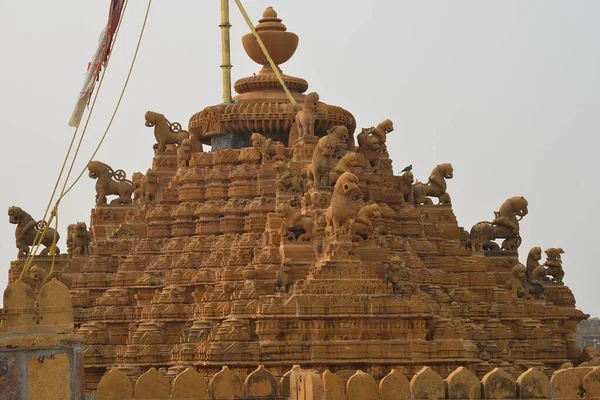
302 384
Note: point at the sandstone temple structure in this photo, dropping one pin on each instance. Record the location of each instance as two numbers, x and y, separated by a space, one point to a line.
292 242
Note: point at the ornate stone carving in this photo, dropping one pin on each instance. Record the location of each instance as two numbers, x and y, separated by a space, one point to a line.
362 228
184 153
435 187
110 182
505 225
27 229
342 209
288 180
80 239
396 273
307 116
344 164
294 225
381 131
322 161
269 149
404 185
369 148
554 264
284 277
165 132
515 284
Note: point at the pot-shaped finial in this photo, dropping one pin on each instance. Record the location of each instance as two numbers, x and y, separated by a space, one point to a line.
280 44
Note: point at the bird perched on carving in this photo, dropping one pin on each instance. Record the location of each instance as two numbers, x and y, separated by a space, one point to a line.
407 169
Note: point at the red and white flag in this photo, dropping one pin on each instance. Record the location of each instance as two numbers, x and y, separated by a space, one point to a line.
99 61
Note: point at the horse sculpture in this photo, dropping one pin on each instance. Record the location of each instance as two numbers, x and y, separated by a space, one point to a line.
435 186
28 230
110 182
165 132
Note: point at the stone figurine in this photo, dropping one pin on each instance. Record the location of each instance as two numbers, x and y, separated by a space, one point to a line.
184 154
505 226
110 182
322 160
515 284
369 148
150 187
295 225
404 185
381 131
435 187
342 136
363 228
288 180
344 164
80 239
27 229
554 264
283 276
535 274
342 208
165 132
269 149
307 116
396 273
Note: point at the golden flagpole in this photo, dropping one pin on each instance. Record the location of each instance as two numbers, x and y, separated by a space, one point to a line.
226 51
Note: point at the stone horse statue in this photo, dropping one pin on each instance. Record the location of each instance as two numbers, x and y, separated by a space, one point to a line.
504 226
27 230
110 182
165 132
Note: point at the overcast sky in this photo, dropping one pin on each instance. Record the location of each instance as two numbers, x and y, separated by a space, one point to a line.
507 91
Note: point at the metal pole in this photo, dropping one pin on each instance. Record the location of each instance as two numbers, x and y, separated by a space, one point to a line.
225 51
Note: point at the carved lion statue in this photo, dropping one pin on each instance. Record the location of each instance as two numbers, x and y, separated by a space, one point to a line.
363 228
342 135
345 164
151 187
80 240
303 227
515 284
380 132
307 116
404 185
342 208
27 229
269 149
369 148
110 182
533 258
322 161
435 187
184 154
511 212
165 132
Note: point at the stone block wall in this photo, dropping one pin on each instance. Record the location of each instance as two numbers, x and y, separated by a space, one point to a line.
40 357
46 368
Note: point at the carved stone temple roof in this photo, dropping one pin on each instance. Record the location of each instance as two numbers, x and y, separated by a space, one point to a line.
261 106
293 243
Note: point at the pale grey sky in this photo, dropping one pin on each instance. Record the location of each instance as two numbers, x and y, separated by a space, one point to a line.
507 91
